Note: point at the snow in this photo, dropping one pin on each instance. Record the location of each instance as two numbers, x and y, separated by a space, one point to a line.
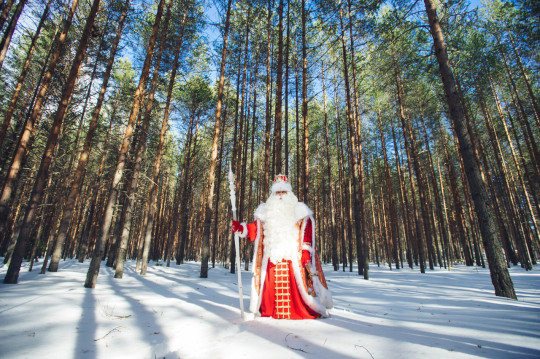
172 313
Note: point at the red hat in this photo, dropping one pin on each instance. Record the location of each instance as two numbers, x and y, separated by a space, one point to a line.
281 183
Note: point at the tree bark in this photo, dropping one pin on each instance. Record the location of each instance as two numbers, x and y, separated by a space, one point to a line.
492 243
22 76
353 156
6 39
279 95
286 137
305 122
208 212
5 12
139 157
394 230
268 124
80 171
42 176
152 192
364 249
25 140
333 234
106 221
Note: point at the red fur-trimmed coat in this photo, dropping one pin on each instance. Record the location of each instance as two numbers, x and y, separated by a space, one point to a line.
310 297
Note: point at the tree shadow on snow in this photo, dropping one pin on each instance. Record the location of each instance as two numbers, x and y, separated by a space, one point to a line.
87 328
451 343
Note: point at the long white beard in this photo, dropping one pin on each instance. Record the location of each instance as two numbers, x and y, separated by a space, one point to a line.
280 230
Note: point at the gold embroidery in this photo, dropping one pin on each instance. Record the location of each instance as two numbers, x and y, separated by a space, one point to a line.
283 291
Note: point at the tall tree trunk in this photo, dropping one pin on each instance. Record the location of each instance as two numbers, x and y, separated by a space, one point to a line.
492 243
208 212
152 192
106 221
80 171
305 122
268 125
442 223
527 131
394 230
408 222
6 39
216 223
364 249
24 72
186 194
279 94
333 234
510 201
343 192
526 80
42 176
412 154
139 157
297 123
5 12
353 155
26 138
286 138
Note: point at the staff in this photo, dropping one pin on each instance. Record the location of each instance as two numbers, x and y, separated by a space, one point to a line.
236 241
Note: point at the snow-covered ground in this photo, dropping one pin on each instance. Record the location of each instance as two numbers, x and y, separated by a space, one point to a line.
172 313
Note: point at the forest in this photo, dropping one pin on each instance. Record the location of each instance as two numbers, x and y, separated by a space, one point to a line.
410 128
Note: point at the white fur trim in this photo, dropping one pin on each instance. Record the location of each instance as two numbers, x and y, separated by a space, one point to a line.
324 295
244 230
308 247
254 299
260 212
281 186
302 211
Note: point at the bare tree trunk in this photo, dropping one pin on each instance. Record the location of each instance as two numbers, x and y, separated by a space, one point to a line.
492 243
279 94
216 223
353 156
394 230
186 190
139 157
212 171
526 127
333 234
267 140
412 154
6 39
77 181
364 248
27 135
341 165
409 221
152 192
286 139
22 76
297 124
43 172
527 81
93 270
305 122
442 224
5 12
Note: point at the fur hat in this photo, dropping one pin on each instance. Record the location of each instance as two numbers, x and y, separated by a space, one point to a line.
281 183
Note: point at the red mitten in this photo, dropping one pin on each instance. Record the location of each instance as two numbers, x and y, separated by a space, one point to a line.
236 227
306 257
